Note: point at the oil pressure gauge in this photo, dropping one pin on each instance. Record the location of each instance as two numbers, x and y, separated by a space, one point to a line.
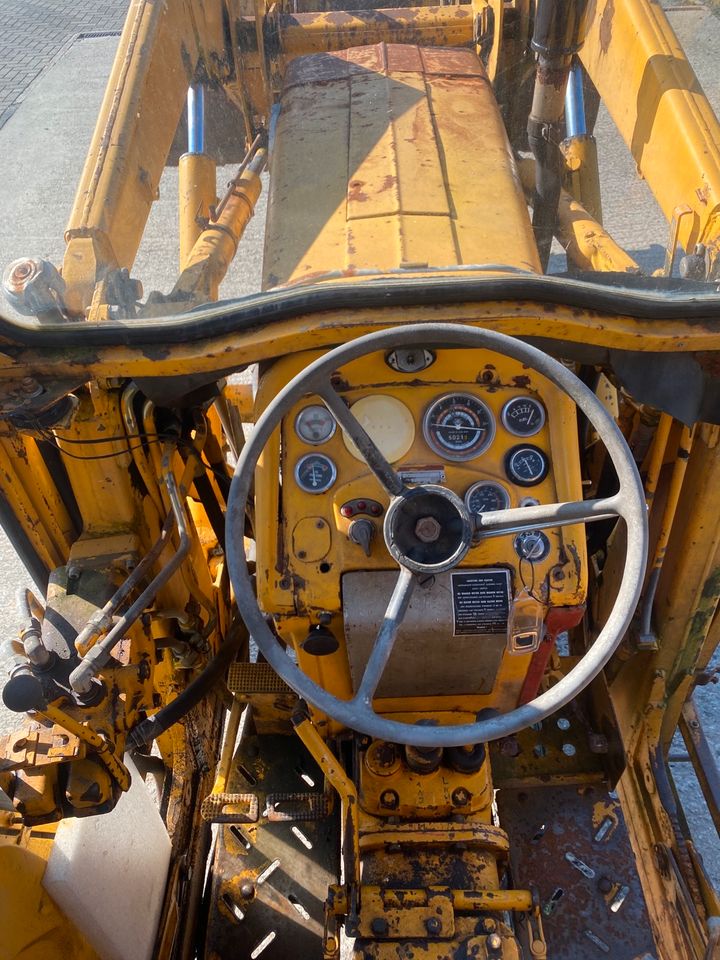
315 424
523 416
526 465
458 426
315 473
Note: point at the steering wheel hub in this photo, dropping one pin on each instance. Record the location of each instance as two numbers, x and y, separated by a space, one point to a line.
428 529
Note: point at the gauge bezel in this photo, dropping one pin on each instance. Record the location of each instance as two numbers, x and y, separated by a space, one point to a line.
486 483
504 416
314 443
458 457
316 490
518 481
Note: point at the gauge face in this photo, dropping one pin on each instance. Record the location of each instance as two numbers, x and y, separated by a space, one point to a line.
315 473
315 424
485 496
388 423
523 416
458 426
526 465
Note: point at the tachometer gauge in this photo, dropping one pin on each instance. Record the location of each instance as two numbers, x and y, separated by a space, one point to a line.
523 416
458 426
526 465
315 473
315 424
485 496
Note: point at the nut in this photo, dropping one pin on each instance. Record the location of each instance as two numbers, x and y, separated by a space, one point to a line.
427 529
389 799
433 926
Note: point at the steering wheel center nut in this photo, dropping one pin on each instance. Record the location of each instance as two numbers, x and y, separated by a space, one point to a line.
428 529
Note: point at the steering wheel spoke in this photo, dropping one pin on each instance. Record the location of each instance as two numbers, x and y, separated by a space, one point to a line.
385 641
388 477
497 523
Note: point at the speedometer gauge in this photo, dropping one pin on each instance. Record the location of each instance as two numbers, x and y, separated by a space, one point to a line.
486 495
458 426
315 473
523 416
315 424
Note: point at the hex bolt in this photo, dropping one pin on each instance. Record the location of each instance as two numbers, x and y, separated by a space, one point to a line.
427 529
433 926
389 799
379 926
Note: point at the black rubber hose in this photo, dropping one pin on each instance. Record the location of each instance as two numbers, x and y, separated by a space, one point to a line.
158 723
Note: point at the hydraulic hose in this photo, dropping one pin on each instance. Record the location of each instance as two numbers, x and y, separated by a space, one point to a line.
158 723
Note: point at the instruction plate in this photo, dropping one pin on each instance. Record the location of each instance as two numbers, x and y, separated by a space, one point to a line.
481 602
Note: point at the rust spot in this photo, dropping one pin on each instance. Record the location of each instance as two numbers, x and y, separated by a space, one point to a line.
606 25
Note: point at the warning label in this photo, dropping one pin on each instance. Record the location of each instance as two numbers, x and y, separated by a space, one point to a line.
481 602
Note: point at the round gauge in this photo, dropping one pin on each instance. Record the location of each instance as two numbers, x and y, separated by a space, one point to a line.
315 424
523 416
458 426
485 496
526 465
388 423
315 473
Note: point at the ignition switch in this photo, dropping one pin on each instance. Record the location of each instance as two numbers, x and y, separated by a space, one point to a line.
362 533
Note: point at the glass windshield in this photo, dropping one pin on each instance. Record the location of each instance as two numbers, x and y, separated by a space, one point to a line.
369 163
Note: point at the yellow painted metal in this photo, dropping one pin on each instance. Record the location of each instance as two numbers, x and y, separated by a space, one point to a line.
657 457
427 26
99 745
403 195
213 251
673 498
154 65
588 245
657 103
583 176
34 928
196 195
469 901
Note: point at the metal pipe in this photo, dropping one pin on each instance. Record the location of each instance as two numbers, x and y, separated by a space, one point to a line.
196 118
97 656
647 638
575 124
138 453
657 456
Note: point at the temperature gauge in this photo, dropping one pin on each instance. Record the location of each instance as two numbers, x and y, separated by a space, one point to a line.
485 496
315 424
526 465
523 416
315 473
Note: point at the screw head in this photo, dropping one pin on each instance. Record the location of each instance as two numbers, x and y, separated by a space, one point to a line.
379 926
494 942
433 926
461 797
389 799
247 890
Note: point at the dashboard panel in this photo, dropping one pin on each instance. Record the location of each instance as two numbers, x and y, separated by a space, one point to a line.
495 433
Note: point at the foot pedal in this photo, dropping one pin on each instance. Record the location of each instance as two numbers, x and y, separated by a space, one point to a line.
298 806
213 808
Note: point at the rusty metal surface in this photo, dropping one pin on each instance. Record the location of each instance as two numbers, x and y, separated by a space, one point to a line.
410 167
572 845
270 878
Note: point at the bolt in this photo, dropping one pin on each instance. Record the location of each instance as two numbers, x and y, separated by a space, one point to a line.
389 799
433 926
509 747
379 926
488 925
427 529
605 885
494 944
247 890
461 797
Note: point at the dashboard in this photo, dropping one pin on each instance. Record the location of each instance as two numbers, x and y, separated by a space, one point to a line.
495 433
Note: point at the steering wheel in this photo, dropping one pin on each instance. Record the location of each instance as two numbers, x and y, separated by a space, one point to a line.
451 535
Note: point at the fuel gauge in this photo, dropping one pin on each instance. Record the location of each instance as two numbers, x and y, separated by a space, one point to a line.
523 416
315 473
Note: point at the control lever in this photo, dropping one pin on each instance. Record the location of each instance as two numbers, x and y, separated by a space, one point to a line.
362 533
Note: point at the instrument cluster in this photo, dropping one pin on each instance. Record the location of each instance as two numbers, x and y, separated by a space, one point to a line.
457 426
